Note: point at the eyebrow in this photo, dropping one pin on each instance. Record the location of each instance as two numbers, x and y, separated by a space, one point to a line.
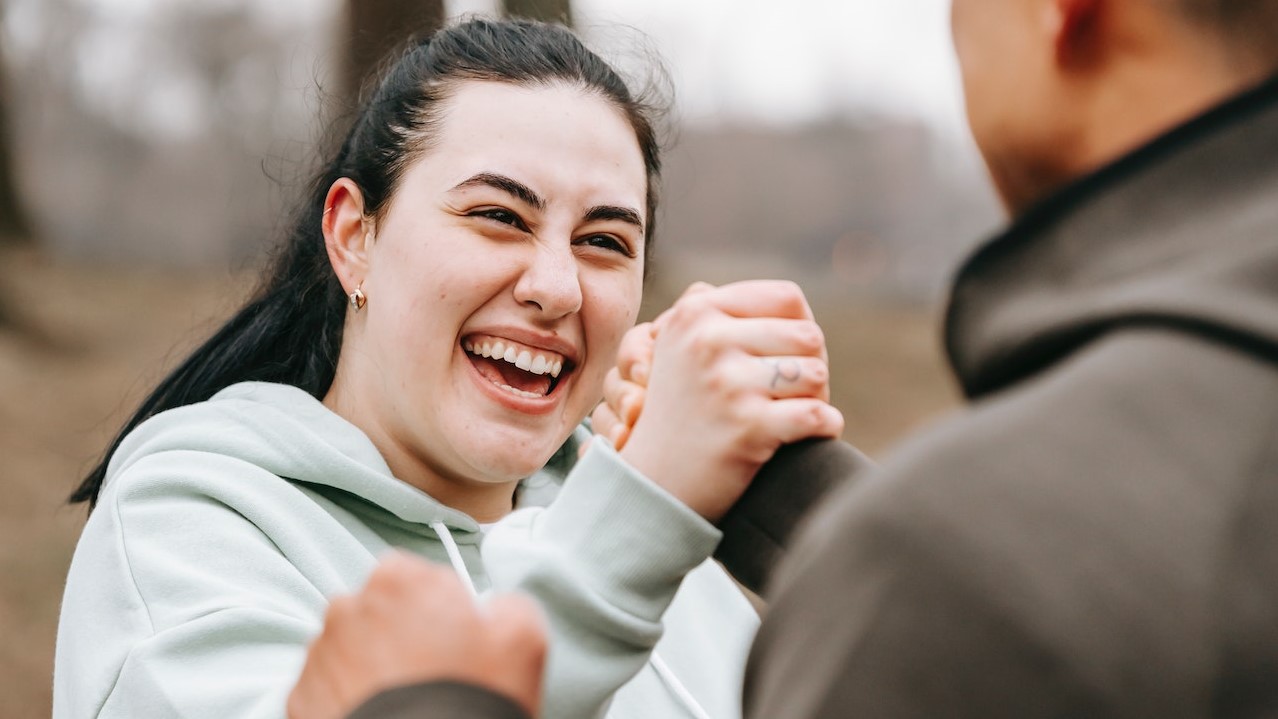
509 185
527 195
600 213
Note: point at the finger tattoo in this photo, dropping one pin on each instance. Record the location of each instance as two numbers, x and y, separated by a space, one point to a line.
786 370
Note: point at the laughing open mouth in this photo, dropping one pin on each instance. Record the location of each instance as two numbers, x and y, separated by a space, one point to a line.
525 371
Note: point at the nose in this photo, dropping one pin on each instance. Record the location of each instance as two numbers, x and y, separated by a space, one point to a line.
550 282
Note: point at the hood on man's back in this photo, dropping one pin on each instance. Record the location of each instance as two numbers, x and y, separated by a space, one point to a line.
1182 233
289 433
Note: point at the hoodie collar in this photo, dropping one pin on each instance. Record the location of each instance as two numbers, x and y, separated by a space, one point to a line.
287 432
1182 232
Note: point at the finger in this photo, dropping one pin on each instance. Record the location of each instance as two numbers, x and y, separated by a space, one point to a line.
634 356
620 436
697 288
766 337
761 298
790 420
606 424
625 399
794 377
604 421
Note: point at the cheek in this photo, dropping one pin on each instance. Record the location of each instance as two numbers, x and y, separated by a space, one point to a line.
610 309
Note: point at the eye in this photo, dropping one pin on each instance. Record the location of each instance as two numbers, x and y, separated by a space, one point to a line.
607 242
502 215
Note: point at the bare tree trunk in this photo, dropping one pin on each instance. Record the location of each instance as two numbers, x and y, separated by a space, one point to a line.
547 10
14 226
377 27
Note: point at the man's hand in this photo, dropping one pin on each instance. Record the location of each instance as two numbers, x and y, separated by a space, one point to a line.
415 622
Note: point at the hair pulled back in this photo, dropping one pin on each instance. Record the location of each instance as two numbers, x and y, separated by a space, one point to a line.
290 331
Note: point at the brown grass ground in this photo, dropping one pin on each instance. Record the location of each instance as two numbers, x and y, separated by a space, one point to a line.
96 338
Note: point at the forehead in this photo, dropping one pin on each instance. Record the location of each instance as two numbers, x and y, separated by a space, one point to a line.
564 142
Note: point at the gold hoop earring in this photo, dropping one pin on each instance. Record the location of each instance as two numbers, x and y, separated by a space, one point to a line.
358 299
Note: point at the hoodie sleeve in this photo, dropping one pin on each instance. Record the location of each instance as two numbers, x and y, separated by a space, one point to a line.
183 600
605 560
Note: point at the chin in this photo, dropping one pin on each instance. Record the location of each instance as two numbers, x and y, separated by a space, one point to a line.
511 458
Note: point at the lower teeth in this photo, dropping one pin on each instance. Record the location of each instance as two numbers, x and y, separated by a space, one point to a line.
520 392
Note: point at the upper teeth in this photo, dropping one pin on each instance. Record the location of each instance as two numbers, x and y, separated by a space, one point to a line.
529 360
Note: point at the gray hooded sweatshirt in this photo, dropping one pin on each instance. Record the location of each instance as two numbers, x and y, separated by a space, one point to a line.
225 526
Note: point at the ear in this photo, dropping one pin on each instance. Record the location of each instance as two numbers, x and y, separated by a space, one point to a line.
348 233
1076 27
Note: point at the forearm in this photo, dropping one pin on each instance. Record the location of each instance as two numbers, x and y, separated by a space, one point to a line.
604 561
759 529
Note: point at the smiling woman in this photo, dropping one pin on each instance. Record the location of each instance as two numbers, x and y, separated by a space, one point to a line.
413 375
497 246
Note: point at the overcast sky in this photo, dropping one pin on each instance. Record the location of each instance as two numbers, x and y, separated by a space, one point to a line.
781 61
771 61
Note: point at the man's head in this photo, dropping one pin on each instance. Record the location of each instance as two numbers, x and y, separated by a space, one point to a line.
1057 88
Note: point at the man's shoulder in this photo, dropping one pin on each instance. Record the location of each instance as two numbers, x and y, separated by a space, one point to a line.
1129 456
1132 402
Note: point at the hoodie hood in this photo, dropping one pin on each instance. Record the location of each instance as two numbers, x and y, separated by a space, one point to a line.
1182 233
291 434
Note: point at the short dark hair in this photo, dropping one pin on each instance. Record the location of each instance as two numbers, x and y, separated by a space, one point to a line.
290 331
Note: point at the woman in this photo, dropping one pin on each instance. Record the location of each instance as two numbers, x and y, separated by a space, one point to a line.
416 367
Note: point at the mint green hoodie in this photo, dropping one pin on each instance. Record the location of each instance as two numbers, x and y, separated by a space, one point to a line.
224 527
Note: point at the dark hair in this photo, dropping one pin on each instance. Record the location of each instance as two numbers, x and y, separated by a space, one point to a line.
291 329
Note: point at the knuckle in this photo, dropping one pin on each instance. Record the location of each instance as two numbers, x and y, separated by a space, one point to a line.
703 346
789 293
820 372
814 417
693 306
790 289
809 336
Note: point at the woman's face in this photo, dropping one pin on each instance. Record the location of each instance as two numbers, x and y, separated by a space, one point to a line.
500 279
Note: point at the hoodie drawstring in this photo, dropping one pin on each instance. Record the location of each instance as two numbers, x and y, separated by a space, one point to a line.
663 670
668 676
454 555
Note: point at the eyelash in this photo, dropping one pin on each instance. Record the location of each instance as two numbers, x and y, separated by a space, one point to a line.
507 217
613 244
504 216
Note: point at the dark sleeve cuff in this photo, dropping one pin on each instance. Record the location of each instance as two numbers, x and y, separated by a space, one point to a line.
439 700
758 529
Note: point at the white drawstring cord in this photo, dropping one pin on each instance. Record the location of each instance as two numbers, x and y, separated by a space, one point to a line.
668 676
454 555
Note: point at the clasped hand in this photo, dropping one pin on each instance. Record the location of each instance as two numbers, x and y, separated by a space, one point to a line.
706 393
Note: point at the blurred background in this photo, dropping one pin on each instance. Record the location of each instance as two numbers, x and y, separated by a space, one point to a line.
150 151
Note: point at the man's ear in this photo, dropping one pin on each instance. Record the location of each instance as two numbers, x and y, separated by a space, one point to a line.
1077 28
348 233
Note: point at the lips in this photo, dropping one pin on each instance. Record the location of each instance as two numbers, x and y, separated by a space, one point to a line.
521 369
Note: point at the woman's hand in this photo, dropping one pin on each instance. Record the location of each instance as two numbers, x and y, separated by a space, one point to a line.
414 622
625 386
735 372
